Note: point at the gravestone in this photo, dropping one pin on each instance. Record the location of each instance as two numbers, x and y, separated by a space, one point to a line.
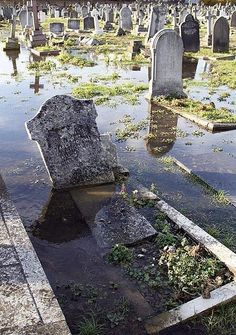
84 11
37 38
189 31
157 21
12 41
66 132
94 15
125 19
73 14
233 20
220 37
167 57
88 23
74 24
56 29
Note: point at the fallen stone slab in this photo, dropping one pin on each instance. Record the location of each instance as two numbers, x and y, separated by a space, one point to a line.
119 222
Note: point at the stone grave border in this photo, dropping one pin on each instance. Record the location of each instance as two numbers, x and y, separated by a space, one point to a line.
47 306
208 125
194 307
189 171
39 53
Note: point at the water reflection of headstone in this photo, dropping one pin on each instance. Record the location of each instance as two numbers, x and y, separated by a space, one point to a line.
36 86
72 148
162 130
13 55
61 220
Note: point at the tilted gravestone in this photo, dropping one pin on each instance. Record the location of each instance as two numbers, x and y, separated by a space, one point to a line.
167 57
189 31
74 154
74 24
88 23
233 20
220 37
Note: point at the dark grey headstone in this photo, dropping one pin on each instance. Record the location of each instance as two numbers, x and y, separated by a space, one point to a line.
220 37
66 131
88 23
189 31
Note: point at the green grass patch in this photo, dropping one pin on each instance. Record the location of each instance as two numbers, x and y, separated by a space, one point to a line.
65 58
41 67
223 73
103 93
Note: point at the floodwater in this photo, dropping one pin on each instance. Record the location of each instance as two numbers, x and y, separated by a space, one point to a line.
59 229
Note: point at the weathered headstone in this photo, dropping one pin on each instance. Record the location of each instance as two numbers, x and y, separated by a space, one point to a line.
94 15
66 132
74 24
220 38
167 57
125 19
189 31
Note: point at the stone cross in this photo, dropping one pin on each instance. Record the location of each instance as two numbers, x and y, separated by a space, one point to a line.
209 18
95 14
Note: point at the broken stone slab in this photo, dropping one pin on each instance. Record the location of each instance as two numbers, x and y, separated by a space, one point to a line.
66 132
119 222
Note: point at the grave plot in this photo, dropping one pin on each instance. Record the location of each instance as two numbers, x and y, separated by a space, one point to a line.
106 55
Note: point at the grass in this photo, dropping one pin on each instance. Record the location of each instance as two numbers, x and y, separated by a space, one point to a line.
204 111
66 58
103 93
120 254
110 77
223 73
167 160
220 320
41 67
90 326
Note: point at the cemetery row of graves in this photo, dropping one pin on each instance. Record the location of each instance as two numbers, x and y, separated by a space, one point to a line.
146 243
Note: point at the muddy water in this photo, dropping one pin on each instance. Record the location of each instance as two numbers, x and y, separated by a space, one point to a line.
69 252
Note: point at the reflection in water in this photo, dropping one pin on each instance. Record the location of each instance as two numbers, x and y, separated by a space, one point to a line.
61 220
162 130
13 55
36 86
189 67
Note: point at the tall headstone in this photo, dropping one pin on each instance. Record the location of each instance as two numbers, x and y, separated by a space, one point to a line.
189 31
233 20
167 58
220 38
126 19
66 132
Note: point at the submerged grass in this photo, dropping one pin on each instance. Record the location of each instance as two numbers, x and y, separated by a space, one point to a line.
103 93
66 58
42 66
